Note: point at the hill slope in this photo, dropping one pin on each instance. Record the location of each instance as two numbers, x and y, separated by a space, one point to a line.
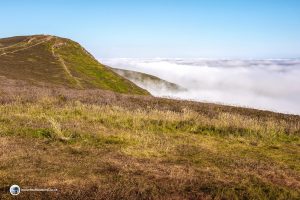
96 144
148 81
50 60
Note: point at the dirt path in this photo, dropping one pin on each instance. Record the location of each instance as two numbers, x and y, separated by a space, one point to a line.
63 64
3 48
21 49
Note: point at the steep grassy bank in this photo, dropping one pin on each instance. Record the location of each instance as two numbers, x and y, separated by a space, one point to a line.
97 144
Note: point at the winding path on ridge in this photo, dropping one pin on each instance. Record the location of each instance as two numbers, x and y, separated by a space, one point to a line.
48 38
63 64
14 45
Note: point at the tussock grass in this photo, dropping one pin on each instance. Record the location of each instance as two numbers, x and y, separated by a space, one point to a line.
95 145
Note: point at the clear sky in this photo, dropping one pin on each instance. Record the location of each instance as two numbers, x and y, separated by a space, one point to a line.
163 28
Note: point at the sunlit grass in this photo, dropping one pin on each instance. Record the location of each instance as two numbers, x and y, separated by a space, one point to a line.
159 152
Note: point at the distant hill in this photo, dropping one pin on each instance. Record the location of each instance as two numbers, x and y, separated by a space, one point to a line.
51 60
147 81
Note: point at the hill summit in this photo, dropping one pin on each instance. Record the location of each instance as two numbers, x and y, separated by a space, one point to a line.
56 61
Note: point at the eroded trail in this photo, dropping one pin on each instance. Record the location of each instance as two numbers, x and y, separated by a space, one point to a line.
14 45
63 64
48 38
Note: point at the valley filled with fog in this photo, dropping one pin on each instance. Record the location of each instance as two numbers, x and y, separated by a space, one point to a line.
264 84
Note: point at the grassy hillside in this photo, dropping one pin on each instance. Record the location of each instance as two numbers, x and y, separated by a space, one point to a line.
144 80
65 125
49 60
96 144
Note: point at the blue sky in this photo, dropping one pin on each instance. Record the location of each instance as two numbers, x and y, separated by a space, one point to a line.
165 28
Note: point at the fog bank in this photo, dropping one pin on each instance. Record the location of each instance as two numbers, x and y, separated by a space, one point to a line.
264 84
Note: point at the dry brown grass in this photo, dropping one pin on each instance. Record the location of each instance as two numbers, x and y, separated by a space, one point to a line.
94 144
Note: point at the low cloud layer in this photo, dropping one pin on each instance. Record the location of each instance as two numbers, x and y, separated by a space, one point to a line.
264 84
